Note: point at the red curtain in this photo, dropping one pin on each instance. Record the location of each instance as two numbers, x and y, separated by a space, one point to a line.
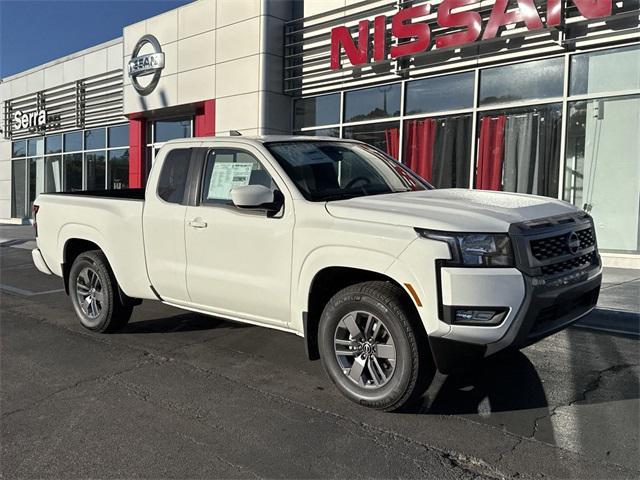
490 153
421 136
392 137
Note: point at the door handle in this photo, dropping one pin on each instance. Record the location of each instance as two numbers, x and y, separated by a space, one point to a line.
197 223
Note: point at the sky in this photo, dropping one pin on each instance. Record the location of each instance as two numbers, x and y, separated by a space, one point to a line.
36 32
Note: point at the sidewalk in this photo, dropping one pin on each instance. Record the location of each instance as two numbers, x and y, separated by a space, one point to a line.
18 236
618 308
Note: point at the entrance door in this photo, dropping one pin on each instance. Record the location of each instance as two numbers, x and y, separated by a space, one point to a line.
238 260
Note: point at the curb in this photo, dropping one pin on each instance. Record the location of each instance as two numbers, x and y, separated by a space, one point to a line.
612 321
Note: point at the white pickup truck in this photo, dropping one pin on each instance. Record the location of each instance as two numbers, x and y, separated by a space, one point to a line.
385 277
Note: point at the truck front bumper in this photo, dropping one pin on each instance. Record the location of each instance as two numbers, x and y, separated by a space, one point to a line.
543 310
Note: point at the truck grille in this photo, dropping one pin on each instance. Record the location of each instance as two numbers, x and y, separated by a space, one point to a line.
547 248
556 246
569 265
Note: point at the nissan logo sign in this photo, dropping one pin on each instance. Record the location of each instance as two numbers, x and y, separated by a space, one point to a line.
149 64
573 242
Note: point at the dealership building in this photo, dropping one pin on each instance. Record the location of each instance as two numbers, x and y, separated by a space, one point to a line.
533 97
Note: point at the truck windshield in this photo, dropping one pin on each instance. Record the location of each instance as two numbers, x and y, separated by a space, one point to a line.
325 170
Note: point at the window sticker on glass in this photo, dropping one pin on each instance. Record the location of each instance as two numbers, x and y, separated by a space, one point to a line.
303 154
226 176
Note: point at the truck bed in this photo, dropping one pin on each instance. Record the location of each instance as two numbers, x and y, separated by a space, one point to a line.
111 219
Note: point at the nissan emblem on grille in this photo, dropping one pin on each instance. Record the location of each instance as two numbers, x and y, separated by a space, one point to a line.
573 242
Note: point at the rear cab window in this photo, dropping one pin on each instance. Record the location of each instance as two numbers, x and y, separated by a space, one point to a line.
174 176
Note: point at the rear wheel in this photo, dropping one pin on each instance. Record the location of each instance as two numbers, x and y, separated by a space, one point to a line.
94 294
372 348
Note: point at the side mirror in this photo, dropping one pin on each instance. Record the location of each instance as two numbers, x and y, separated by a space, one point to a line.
256 197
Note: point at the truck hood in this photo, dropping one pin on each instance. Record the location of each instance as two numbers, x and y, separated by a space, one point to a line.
451 209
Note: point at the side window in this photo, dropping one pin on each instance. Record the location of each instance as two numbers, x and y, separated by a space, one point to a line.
173 177
228 168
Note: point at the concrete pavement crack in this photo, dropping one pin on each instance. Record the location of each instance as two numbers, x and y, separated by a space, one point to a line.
595 383
93 379
466 463
211 449
592 386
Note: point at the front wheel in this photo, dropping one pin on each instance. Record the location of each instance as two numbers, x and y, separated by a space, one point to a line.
94 294
372 348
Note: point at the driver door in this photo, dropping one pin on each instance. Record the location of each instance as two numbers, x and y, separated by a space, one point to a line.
238 260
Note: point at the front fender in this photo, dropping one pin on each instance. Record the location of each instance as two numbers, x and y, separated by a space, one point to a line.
339 256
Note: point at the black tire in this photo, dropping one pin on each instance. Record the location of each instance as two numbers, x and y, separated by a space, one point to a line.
104 312
413 370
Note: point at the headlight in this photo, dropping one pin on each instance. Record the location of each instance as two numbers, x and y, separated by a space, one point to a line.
480 249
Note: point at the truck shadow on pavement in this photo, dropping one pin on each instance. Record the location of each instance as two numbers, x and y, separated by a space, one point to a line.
504 382
188 322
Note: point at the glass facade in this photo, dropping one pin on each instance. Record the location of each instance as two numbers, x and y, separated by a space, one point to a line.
519 150
531 127
322 110
78 160
372 103
602 169
438 149
534 80
439 94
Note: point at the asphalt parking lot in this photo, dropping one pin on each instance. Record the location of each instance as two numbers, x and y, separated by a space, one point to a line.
180 395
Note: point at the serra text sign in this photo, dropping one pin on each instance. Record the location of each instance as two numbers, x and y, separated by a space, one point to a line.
461 27
30 120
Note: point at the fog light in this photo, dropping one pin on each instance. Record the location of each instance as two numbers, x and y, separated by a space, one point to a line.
479 317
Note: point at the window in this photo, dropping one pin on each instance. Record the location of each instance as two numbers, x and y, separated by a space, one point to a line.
118 168
334 170
53 144
94 139
438 94
385 136
230 168
35 147
118 136
519 150
73 142
72 172
605 71
95 170
439 149
313 111
173 178
370 103
602 171
522 81
36 180
53 173
18 188
18 149
169 129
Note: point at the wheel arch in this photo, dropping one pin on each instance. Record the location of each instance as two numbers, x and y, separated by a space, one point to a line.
74 247
330 280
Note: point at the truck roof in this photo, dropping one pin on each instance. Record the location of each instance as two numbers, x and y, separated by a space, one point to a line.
261 138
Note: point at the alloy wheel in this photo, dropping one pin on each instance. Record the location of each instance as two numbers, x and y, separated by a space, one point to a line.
90 295
365 349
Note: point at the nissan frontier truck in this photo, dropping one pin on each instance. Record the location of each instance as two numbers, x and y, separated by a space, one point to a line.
386 278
